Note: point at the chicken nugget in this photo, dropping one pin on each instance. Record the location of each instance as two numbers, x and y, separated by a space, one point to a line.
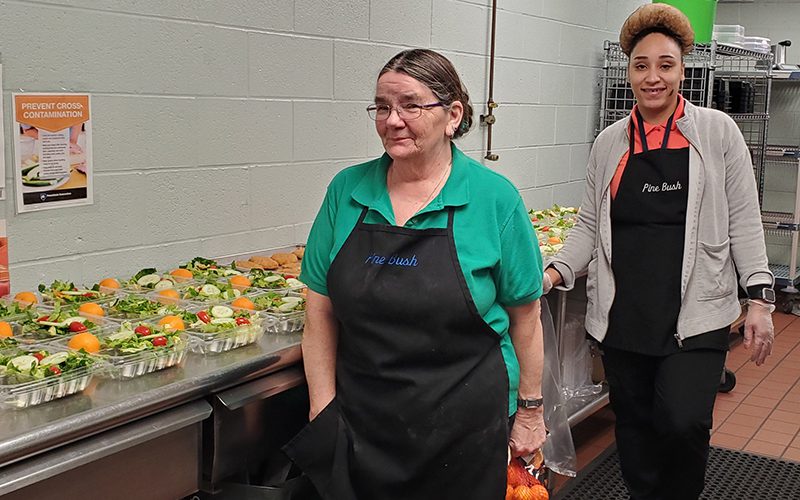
246 264
264 261
284 258
300 252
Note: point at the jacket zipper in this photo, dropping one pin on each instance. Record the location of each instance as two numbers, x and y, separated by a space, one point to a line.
680 342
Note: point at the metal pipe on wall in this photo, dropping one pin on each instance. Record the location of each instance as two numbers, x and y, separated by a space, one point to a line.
489 119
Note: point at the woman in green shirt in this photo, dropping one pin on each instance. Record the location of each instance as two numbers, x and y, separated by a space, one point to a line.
422 329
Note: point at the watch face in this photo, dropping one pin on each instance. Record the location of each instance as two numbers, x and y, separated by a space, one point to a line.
768 294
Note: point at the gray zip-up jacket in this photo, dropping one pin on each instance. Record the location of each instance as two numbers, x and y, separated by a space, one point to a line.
723 226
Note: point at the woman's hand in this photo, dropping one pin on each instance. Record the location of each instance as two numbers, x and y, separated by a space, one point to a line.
550 279
758 331
528 433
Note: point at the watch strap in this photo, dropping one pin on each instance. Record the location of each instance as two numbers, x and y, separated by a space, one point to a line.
530 403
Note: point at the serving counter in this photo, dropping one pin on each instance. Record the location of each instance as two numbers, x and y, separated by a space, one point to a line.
144 437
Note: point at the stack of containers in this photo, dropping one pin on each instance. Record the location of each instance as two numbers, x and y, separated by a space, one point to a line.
729 34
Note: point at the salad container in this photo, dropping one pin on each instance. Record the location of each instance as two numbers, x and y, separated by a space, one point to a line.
66 292
150 279
42 325
272 281
11 310
137 307
208 269
32 375
127 351
220 328
287 311
210 292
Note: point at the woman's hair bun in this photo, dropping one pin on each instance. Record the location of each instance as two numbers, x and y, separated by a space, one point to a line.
656 18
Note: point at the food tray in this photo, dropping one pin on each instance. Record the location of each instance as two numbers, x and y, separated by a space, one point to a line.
126 366
25 394
283 290
6 304
42 337
203 300
214 343
97 296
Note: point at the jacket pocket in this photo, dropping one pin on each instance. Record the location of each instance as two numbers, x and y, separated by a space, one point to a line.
714 270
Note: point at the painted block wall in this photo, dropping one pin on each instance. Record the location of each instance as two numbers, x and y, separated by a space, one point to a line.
217 125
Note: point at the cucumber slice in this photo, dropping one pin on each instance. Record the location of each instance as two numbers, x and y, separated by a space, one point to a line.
36 183
292 282
230 272
25 171
270 279
148 279
164 284
209 290
69 321
59 324
221 312
221 321
75 292
287 307
24 363
291 299
54 359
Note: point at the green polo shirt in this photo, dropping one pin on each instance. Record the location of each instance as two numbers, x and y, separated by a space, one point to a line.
496 246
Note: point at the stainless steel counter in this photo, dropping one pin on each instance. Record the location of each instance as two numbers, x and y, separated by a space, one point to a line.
107 403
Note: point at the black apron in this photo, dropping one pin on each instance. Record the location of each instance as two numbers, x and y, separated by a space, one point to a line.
421 400
648 223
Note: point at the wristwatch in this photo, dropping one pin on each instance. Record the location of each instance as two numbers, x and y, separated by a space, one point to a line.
765 293
530 403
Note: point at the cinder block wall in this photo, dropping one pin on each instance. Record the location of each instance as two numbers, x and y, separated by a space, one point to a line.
217 125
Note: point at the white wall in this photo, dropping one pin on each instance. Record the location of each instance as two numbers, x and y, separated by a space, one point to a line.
774 19
219 124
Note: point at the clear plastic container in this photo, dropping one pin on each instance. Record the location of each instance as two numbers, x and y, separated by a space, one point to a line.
291 322
32 331
38 391
8 310
165 306
283 322
735 29
202 299
178 283
74 297
125 366
214 343
273 282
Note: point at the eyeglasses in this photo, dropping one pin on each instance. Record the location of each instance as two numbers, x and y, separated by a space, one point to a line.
410 111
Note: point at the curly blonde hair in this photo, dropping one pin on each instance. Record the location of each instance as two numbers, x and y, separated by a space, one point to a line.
656 18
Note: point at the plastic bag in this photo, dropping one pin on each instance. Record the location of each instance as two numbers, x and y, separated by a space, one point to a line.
576 358
559 450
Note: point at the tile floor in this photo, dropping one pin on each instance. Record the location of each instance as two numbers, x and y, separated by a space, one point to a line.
761 415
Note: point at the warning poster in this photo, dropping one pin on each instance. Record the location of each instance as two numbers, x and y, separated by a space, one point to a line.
52 151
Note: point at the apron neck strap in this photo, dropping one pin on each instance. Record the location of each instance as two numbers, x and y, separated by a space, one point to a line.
643 136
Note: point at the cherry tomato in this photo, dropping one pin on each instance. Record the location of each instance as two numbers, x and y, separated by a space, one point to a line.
544 228
159 341
289 276
43 318
39 356
55 370
204 317
142 330
242 321
77 326
88 294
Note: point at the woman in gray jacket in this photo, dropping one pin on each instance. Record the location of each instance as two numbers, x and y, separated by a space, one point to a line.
669 216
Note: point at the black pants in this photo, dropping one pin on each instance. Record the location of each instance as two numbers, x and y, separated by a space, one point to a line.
664 407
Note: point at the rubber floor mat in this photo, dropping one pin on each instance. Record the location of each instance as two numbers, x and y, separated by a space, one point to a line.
731 475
